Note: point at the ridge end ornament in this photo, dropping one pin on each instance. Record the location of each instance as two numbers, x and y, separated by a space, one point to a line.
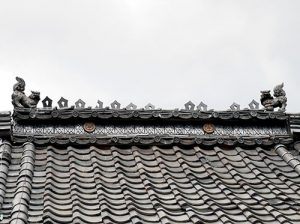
20 100
278 99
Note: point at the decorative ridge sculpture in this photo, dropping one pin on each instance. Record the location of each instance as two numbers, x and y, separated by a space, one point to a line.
19 99
279 99
269 102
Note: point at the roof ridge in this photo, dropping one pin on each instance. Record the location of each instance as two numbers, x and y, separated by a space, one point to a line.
268 101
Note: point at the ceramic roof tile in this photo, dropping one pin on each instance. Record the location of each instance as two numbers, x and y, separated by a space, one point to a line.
5 154
150 185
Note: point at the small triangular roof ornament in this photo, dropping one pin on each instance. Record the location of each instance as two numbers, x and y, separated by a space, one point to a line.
62 103
189 105
47 102
235 106
202 106
79 104
149 106
254 105
99 104
131 106
115 105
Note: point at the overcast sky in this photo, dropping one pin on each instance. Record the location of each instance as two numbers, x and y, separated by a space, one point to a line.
166 52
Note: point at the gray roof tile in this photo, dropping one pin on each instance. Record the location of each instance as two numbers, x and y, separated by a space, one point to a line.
150 185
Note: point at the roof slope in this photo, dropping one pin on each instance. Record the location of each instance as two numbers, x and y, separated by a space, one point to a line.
149 185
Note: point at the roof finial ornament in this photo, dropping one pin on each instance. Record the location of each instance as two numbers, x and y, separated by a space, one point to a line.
189 105
279 99
19 99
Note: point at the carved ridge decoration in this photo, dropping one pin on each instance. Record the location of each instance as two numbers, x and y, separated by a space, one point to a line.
20 100
279 100
132 130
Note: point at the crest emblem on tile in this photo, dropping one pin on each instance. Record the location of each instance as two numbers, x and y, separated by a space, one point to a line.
209 128
89 127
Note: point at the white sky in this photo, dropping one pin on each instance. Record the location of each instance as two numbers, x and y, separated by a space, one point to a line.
166 52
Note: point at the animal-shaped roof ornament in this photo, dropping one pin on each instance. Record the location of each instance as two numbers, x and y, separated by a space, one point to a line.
278 99
20 100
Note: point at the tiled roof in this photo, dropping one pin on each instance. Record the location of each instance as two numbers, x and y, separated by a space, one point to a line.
113 164
5 123
149 184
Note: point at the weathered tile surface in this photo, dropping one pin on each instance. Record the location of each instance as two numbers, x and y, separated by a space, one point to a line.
149 185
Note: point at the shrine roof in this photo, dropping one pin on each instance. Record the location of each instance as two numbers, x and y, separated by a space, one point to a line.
77 164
